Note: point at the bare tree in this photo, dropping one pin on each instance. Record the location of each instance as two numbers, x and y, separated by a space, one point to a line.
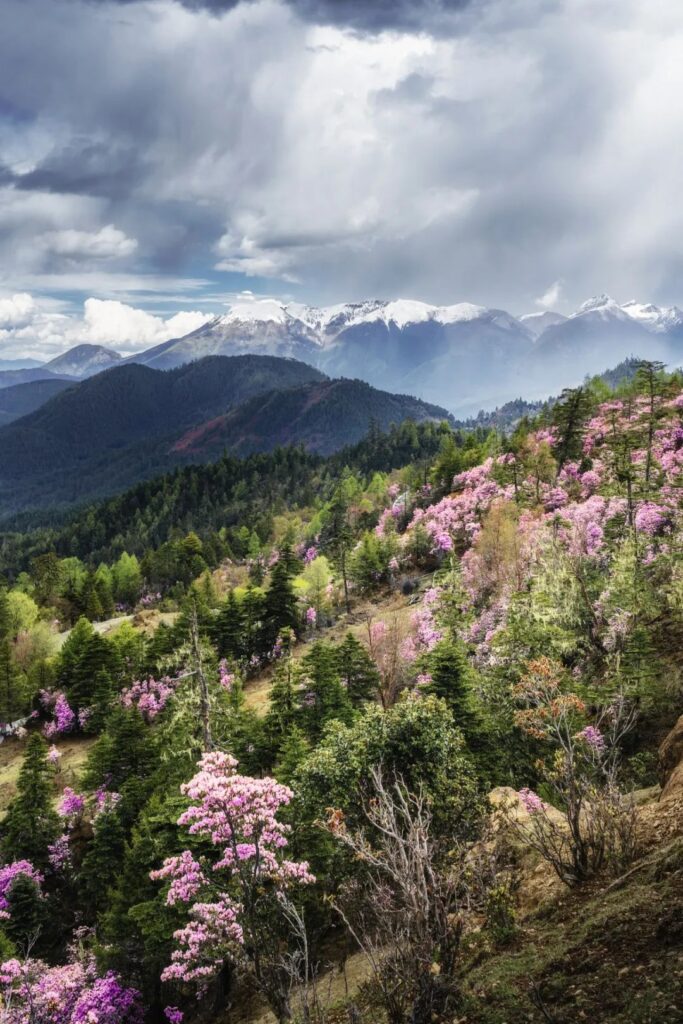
405 908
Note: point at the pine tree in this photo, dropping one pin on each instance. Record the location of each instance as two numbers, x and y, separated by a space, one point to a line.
293 751
124 759
569 416
84 656
357 670
12 694
228 629
337 539
324 698
280 609
102 862
27 912
284 700
452 680
31 824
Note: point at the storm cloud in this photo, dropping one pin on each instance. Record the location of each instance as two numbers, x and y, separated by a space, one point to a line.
167 155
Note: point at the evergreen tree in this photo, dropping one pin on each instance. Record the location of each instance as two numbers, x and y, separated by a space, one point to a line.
27 912
452 680
83 658
280 610
124 760
102 862
294 750
228 629
569 416
357 671
284 700
32 823
337 538
13 694
324 697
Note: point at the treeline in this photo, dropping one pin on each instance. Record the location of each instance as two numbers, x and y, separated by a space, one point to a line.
229 492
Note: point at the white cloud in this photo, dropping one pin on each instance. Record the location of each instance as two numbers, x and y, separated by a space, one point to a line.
40 332
16 310
551 296
106 244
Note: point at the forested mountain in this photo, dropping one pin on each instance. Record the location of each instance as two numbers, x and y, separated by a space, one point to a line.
118 426
322 416
20 399
8 378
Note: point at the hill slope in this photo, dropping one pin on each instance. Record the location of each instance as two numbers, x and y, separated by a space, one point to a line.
323 416
84 361
21 399
116 428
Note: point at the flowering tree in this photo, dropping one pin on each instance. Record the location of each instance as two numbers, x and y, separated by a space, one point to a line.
595 829
236 894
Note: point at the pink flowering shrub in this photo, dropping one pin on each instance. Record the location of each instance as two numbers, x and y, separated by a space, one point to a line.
149 696
34 993
64 718
234 896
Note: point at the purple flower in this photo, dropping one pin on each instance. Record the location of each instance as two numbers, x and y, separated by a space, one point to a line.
593 738
531 801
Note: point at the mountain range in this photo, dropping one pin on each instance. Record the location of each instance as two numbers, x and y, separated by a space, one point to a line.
463 357
101 435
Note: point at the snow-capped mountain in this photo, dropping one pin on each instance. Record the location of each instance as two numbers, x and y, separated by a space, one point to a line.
659 319
537 322
83 361
461 356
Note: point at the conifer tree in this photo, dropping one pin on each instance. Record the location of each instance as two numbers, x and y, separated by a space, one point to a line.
452 681
293 751
228 629
102 861
280 610
324 697
357 671
27 910
12 693
32 823
569 416
337 539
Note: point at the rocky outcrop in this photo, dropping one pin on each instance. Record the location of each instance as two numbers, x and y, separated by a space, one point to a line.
670 764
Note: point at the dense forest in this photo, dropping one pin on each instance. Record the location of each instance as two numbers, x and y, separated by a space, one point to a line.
366 737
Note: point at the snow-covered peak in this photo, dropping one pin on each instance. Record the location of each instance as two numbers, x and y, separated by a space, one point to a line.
601 307
538 321
658 319
331 320
259 310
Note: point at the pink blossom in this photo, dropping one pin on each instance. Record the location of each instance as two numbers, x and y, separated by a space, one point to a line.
531 801
311 616
72 804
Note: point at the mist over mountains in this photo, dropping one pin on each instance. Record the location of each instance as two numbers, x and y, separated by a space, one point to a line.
463 357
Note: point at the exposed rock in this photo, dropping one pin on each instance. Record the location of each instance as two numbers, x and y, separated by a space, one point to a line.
670 755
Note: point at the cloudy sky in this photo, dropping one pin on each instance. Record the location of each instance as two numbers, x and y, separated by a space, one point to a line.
159 157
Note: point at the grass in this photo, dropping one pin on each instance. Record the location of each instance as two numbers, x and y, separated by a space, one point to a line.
74 752
609 957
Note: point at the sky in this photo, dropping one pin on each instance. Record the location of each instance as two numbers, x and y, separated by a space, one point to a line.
159 158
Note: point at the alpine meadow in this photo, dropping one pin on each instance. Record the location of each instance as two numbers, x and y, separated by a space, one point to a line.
341 536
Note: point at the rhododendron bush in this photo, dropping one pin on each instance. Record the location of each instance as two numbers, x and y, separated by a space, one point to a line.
33 993
234 896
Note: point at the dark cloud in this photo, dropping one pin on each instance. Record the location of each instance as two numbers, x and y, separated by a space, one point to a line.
86 167
361 15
